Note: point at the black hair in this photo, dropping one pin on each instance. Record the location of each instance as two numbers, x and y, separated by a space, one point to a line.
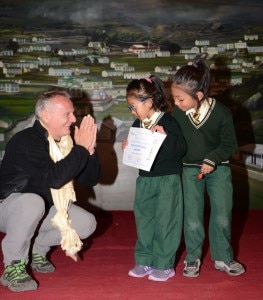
145 88
194 78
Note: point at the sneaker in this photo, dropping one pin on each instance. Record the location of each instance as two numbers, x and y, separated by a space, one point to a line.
191 269
16 278
40 264
232 267
140 271
161 275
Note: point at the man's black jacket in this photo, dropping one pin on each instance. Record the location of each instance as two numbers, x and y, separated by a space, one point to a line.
27 166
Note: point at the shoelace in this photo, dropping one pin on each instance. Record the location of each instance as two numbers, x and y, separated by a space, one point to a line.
39 259
230 263
17 272
147 268
192 264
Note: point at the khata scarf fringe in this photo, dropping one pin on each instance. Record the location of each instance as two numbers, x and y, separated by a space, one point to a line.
62 198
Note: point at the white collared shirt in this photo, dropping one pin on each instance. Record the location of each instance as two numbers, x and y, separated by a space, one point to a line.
203 109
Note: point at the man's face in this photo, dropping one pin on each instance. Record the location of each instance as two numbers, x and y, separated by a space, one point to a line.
58 117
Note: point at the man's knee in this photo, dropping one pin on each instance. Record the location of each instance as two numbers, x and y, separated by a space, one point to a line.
31 205
88 227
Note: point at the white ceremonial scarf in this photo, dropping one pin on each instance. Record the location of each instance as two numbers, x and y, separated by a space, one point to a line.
62 198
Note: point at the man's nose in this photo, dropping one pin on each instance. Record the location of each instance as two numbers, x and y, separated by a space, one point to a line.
73 118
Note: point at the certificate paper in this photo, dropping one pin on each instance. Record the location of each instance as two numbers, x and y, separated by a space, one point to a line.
143 146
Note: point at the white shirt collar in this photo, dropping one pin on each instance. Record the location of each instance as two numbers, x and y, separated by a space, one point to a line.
189 111
152 119
203 109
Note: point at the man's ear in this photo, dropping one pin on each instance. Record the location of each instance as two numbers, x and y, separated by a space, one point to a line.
200 95
45 115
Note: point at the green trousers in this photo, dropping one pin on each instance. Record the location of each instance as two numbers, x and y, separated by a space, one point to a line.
218 185
158 209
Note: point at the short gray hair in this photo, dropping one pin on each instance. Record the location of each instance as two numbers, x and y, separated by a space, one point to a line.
44 100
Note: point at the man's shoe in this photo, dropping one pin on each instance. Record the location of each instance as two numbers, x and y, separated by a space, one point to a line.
232 267
161 275
40 264
16 278
191 269
140 271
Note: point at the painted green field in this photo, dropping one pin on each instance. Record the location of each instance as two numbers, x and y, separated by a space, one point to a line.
15 108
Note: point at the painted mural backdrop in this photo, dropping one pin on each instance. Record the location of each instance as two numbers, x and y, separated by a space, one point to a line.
94 48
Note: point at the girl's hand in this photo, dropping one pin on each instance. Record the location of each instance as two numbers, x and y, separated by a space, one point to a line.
158 128
124 144
206 169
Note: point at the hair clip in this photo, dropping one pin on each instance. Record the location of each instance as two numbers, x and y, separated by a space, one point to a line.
148 79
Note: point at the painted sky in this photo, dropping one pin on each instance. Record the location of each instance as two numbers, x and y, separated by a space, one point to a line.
139 11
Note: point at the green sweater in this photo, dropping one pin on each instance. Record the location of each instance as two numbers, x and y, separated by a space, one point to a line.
213 141
169 158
